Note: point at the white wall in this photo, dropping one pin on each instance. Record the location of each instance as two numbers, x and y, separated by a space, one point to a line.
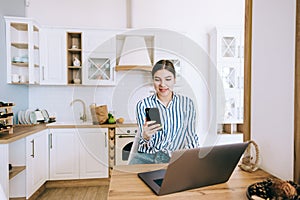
273 57
70 13
193 17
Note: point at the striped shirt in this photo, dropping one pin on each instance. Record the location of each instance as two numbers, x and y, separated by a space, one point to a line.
178 122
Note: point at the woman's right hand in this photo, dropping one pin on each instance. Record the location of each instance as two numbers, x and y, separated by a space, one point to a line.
149 129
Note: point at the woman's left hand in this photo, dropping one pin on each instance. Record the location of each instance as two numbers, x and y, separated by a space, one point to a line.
150 129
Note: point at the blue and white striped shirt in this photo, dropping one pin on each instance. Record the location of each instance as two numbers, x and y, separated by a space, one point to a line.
178 122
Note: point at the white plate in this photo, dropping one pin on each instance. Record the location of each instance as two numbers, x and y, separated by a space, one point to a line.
46 115
27 116
33 117
19 117
23 117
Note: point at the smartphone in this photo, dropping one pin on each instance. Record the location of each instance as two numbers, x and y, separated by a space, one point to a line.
152 114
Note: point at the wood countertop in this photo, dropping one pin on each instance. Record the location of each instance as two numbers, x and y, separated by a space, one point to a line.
21 132
87 125
125 184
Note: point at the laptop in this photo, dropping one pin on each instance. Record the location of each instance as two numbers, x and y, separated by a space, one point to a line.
194 168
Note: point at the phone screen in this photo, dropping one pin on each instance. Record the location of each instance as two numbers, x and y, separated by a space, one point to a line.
152 114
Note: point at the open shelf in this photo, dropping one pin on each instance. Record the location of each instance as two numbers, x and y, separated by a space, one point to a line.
74 51
20 45
74 67
15 171
20 26
20 64
23 53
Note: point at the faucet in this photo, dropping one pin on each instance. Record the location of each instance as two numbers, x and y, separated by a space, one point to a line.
83 117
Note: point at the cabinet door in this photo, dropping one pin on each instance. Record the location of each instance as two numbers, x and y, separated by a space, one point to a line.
93 152
226 52
36 161
99 50
230 46
64 159
53 57
98 69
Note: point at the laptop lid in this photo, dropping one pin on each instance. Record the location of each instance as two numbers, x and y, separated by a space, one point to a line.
193 168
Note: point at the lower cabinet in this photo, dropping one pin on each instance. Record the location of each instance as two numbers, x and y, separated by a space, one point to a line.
78 153
36 161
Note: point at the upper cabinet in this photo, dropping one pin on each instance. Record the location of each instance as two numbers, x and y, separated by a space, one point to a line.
23 50
53 62
71 56
98 70
99 50
226 51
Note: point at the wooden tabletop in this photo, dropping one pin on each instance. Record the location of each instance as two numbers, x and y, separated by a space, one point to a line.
125 184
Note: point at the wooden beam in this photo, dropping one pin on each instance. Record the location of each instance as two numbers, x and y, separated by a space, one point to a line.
297 99
247 70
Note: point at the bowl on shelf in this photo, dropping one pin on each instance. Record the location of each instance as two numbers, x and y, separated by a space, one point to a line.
17 59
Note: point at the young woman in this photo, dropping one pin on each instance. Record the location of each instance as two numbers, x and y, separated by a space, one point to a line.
177 112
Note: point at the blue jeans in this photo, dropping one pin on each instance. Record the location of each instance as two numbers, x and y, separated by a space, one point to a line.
147 158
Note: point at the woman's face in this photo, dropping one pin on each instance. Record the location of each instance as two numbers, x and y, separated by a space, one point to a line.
164 82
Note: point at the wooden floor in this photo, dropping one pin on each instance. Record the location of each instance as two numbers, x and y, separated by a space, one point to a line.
75 193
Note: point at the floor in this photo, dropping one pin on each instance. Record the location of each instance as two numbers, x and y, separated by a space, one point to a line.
75 193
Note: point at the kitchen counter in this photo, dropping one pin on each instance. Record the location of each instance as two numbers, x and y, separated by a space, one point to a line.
21 131
86 125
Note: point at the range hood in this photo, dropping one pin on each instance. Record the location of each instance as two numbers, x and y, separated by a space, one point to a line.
134 52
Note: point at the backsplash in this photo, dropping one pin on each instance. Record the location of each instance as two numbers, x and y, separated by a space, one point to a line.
120 99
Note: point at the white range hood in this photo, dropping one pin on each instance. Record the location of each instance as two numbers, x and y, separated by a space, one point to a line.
135 52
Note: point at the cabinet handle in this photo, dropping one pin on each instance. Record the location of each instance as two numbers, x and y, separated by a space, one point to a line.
32 148
105 139
126 136
43 68
50 140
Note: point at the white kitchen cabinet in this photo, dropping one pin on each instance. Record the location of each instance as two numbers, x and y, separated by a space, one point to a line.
78 153
36 161
64 154
99 51
93 153
23 50
226 52
98 69
53 57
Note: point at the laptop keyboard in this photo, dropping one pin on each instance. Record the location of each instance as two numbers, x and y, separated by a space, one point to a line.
158 181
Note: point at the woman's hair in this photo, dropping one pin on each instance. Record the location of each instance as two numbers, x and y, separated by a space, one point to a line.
164 64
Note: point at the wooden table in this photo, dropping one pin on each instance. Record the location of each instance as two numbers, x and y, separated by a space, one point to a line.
125 184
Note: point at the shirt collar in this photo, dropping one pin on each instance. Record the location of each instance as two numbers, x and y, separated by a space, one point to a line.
175 96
